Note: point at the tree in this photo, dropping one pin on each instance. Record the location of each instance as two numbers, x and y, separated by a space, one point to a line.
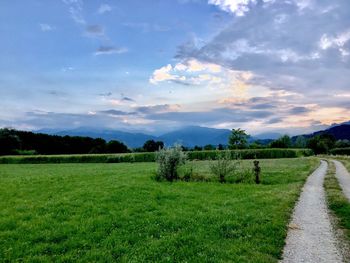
209 147
300 142
321 143
116 147
282 142
9 142
152 146
238 139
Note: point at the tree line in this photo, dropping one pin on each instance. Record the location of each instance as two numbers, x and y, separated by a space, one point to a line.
25 142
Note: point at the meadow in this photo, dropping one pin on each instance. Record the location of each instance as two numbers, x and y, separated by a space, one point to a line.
117 212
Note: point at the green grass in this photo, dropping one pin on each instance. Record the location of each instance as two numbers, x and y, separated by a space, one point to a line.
337 201
150 156
116 212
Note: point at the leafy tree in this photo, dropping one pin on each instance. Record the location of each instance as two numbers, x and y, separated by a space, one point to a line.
342 143
321 143
116 147
209 147
197 148
300 142
152 146
220 147
283 142
238 139
9 142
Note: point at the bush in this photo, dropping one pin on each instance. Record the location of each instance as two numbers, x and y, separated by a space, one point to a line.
169 159
223 166
341 151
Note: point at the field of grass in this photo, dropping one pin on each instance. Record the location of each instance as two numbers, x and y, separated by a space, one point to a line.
116 212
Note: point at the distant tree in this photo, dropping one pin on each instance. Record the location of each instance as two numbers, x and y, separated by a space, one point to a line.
300 142
9 141
209 147
238 139
321 143
220 147
197 148
116 147
342 143
152 146
283 142
256 145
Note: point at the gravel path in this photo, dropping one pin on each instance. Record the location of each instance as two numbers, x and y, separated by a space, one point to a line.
343 177
310 237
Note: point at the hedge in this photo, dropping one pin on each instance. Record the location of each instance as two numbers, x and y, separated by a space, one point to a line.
150 156
340 151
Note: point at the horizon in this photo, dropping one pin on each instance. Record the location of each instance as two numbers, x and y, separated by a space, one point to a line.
158 66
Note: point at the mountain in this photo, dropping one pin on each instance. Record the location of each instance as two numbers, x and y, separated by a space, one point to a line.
188 136
195 135
340 132
132 140
267 136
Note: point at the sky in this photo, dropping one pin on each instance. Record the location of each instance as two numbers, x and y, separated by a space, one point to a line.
159 65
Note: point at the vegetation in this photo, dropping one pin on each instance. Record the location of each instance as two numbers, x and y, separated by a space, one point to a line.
150 157
340 151
116 212
238 139
168 160
283 142
337 201
13 142
321 143
152 146
225 166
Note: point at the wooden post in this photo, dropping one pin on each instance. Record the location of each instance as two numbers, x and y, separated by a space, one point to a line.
257 171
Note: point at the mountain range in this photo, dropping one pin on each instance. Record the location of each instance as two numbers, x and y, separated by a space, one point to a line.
188 136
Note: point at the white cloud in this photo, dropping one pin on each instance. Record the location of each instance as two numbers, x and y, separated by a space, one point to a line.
46 27
104 8
110 50
237 7
337 42
76 10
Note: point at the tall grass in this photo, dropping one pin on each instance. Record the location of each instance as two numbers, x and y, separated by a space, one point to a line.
150 156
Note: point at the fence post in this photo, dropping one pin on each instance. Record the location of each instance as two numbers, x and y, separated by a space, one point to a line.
257 171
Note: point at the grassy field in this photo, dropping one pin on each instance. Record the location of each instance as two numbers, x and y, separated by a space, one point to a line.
116 212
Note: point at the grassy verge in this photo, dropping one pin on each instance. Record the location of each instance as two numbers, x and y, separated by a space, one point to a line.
337 202
150 156
116 212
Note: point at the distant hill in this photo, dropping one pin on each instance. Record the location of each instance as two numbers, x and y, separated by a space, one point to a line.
189 136
340 132
132 140
195 135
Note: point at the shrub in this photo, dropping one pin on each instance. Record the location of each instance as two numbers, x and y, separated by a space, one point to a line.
341 151
168 160
223 166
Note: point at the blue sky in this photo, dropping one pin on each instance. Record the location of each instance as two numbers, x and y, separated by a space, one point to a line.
157 65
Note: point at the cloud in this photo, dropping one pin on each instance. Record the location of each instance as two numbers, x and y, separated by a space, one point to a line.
147 27
110 50
237 7
46 27
94 31
153 109
75 8
104 8
128 99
